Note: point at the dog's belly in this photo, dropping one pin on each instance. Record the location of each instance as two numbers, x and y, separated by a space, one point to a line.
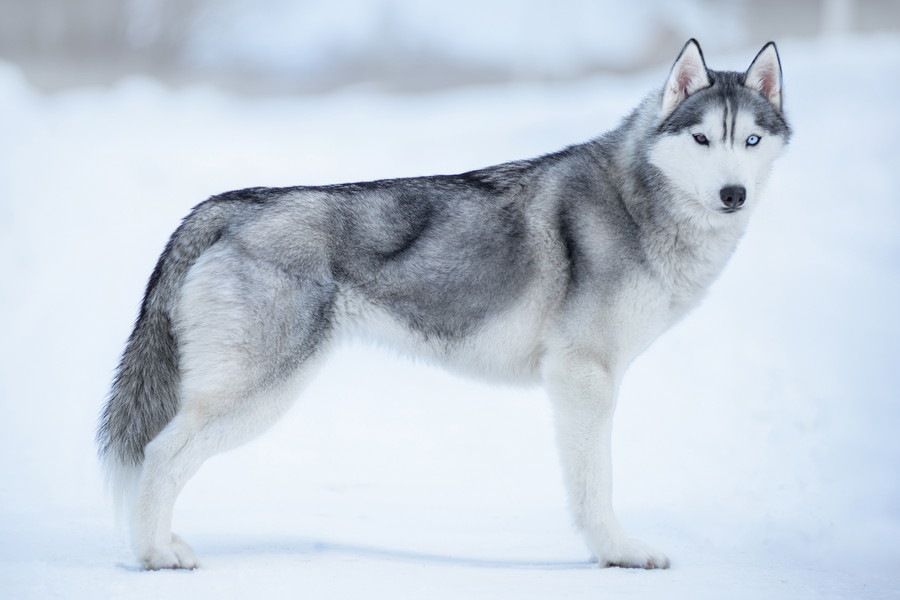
505 347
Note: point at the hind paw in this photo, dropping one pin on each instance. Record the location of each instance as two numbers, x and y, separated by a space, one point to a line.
632 554
174 555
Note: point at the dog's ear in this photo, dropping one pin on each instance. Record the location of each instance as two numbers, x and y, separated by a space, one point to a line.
764 75
688 75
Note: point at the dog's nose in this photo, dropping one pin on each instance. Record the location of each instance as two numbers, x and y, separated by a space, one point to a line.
733 196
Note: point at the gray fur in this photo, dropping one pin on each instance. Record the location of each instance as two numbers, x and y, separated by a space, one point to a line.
575 261
144 394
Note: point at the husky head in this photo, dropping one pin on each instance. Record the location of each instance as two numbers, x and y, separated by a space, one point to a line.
717 133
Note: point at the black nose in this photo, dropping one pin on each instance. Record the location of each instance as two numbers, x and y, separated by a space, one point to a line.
733 196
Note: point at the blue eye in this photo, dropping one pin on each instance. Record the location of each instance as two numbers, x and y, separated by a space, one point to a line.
701 139
753 140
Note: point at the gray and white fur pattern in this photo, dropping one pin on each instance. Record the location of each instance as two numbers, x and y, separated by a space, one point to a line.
558 270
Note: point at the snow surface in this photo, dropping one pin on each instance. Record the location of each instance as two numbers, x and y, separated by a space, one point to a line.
756 443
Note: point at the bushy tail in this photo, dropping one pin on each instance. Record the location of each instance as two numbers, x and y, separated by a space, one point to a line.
145 391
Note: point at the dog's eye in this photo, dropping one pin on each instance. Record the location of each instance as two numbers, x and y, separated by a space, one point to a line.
701 139
753 140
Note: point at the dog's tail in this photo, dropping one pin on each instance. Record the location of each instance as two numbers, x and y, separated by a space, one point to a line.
144 395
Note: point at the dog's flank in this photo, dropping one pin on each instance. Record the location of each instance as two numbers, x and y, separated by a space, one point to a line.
561 269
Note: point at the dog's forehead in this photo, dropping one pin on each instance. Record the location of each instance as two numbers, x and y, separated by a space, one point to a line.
724 117
715 119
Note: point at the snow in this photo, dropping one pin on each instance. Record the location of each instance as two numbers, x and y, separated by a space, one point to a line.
755 443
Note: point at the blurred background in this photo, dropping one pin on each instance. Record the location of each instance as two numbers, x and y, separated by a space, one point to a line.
279 46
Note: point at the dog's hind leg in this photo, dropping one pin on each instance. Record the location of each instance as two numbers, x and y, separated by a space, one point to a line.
206 426
249 335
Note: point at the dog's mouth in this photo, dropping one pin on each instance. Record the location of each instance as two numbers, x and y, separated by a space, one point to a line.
730 209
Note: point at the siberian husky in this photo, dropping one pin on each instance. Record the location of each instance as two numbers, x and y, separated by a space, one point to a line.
558 270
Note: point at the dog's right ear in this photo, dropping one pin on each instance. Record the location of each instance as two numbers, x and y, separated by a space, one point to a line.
687 77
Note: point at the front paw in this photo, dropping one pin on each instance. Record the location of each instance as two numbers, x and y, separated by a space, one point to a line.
630 554
175 555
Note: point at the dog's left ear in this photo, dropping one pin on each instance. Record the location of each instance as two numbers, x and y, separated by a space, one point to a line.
688 76
764 75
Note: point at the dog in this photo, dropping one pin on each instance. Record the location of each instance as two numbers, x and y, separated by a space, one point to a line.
559 270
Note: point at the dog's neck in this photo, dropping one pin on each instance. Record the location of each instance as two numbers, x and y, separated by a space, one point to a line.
686 257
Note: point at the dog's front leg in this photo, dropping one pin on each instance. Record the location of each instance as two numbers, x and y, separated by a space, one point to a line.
584 398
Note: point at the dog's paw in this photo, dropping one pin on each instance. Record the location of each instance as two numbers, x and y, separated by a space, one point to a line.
632 554
175 555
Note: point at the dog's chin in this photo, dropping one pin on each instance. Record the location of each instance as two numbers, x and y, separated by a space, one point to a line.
712 210
729 211
721 216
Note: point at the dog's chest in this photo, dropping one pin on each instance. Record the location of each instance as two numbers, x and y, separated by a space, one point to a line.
645 307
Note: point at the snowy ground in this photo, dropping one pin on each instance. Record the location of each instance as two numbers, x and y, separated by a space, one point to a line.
756 442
